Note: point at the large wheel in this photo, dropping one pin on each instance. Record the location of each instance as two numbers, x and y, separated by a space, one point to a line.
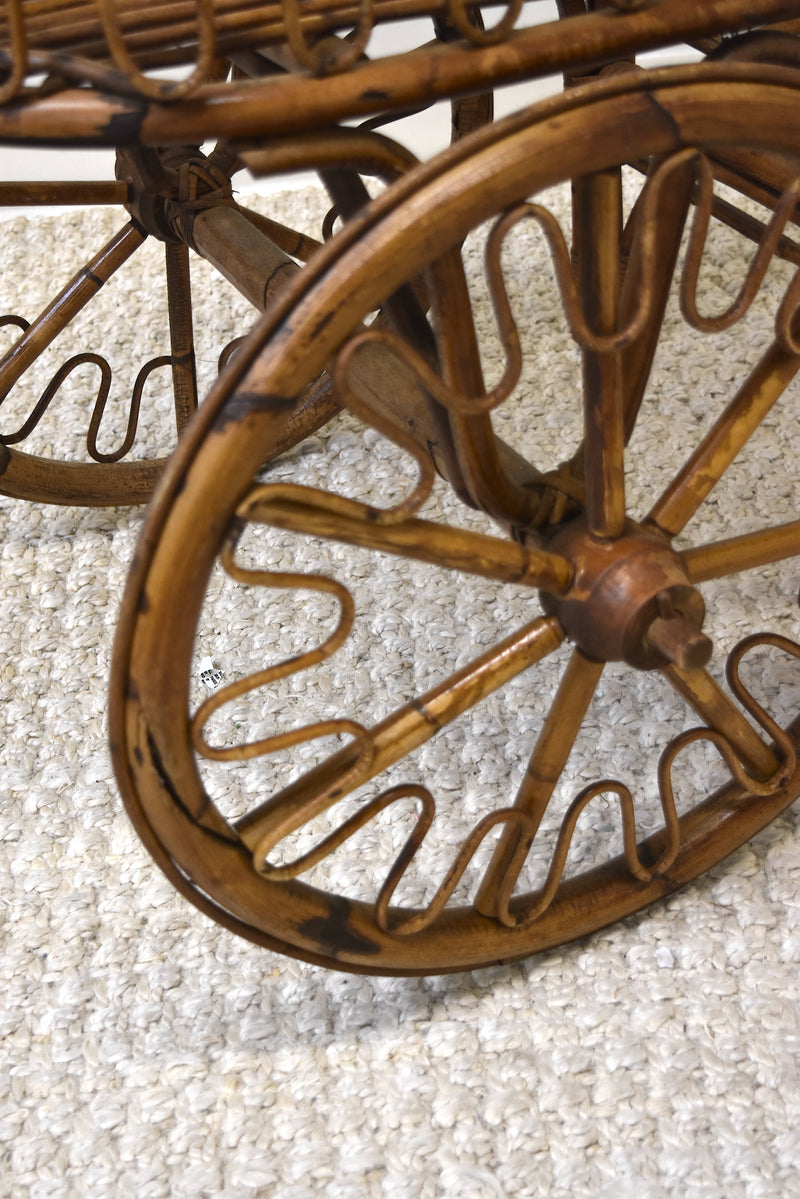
597 588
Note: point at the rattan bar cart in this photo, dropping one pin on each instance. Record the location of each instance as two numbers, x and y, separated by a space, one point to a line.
376 318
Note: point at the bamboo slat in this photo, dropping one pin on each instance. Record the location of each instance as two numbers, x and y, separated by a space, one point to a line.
163 32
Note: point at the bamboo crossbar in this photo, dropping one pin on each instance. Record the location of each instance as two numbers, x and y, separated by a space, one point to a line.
145 111
159 33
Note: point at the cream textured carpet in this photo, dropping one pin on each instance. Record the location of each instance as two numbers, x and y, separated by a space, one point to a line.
145 1052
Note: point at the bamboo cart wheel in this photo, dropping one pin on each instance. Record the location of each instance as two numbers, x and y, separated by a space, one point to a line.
607 580
100 475
163 192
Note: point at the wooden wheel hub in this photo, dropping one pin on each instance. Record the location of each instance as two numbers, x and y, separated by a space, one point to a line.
630 600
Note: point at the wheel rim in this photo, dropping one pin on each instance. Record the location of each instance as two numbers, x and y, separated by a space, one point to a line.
211 861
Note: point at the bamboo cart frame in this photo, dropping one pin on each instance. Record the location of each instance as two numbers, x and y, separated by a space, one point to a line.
273 87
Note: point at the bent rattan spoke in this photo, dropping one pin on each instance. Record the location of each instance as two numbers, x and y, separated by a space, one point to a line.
398 734
618 345
783 743
133 410
705 696
785 210
488 485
